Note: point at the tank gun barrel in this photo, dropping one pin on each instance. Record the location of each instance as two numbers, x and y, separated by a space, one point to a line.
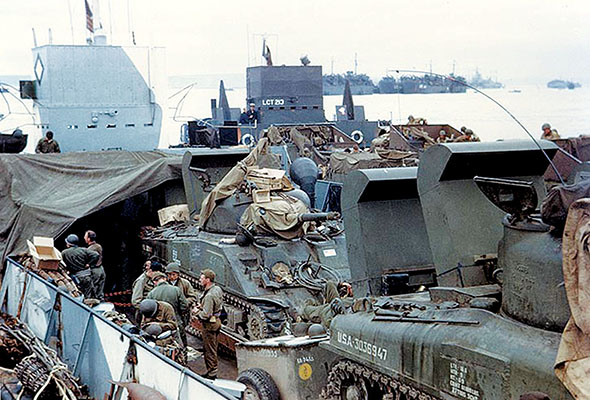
329 216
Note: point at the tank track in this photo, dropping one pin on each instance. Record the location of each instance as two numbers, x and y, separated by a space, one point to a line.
263 320
348 379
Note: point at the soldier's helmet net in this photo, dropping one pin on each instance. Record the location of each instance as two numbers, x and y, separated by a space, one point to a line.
72 239
545 126
148 307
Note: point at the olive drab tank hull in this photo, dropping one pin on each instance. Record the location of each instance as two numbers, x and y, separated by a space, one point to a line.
267 272
494 338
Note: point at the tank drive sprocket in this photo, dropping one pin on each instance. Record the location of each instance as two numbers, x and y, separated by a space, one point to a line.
350 380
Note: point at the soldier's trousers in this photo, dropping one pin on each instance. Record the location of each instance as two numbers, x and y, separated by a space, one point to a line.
210 343
98 278
85 285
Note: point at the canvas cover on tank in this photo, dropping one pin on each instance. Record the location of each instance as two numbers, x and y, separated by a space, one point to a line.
44 194
385 229
461 222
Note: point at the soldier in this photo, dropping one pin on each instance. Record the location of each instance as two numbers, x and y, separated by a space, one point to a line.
79 261
337 297
209 312
97 273
143 285
47 144
252 114
472 137
163 291
548 133
159 317
442 137
173 273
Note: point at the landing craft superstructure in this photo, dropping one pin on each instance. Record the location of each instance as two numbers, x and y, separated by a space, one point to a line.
99 97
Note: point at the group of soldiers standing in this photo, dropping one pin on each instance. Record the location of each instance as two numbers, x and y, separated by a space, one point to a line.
85 265
166 302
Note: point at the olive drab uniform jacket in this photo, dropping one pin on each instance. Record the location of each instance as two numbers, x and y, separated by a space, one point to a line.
171 295
165 317
211 302
187 289
47 146
141 287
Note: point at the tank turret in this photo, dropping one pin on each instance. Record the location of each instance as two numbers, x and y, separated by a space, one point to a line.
269 251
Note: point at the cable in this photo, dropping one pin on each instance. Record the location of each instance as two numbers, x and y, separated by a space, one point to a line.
495 102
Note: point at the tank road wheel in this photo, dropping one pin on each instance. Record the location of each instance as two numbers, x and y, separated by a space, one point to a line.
355 391
256 325
259 385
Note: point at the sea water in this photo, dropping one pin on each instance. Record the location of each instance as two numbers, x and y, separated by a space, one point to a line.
568 111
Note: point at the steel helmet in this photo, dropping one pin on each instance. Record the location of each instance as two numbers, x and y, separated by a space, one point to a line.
545 126
153 330
72 239
148 307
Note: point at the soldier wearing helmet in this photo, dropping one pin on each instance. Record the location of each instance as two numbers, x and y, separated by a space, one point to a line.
159 313
78 261
164 291
174 279
548 133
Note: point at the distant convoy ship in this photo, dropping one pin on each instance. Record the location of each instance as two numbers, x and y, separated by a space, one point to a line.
409 84
359 84
480 82
561 84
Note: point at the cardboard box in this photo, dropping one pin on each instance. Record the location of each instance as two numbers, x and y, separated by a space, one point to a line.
44 254
177 212
266 178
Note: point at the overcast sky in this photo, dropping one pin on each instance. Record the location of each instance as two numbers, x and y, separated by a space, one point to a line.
516 41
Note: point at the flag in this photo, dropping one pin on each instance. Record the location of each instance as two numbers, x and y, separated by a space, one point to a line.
89 19
266 53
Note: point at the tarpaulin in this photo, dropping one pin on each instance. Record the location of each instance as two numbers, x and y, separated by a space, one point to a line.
573 357
260 156
43 194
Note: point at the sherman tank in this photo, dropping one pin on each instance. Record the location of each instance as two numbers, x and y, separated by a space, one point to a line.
269 250
492 329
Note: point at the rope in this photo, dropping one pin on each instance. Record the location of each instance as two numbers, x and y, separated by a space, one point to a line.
128 291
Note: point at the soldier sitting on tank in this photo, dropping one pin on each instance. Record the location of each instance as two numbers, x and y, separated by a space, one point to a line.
337 298
158 318
163 291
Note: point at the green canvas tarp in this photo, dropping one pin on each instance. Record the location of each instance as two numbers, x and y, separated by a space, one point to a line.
43 194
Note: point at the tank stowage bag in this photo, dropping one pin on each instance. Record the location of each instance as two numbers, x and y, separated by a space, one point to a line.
573 357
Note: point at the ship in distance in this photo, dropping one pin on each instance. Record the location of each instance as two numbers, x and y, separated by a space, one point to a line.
561 84
423 84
